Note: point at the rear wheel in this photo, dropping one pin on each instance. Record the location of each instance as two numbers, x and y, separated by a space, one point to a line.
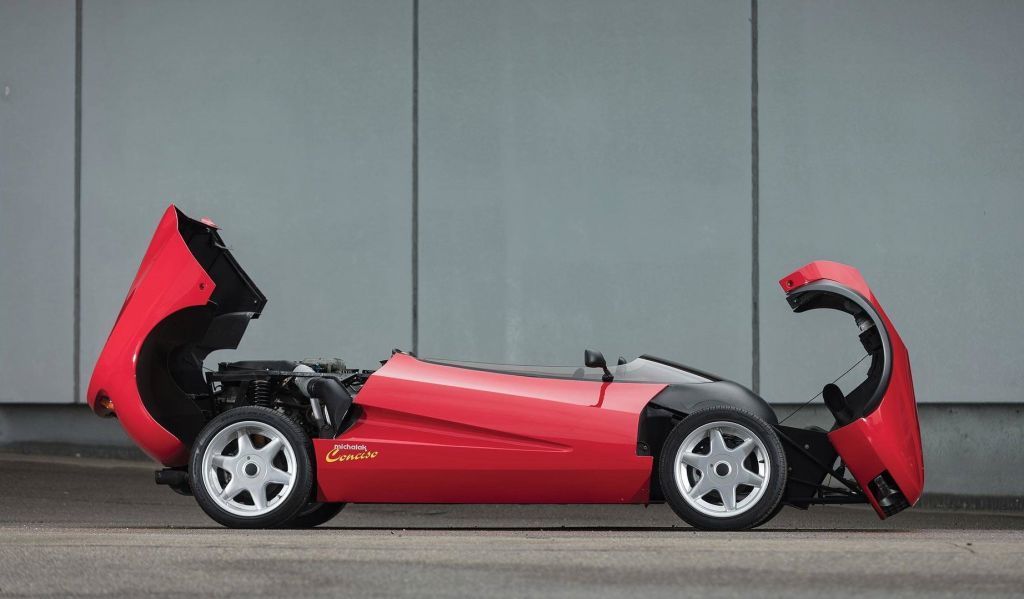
315 514
723 468
251 468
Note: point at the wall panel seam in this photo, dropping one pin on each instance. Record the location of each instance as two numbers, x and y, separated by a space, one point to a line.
415 178
755 210
77 302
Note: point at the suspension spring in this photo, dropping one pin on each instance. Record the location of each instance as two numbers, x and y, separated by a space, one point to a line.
258 393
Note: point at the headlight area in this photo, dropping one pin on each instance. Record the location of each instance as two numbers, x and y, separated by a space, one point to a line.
887 494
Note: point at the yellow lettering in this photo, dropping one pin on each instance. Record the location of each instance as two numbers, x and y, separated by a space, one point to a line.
335 455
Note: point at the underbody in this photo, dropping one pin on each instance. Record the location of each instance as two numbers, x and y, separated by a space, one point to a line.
427 431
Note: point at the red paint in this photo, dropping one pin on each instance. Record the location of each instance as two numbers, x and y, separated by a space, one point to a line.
169 279
890 437
444 434
432 433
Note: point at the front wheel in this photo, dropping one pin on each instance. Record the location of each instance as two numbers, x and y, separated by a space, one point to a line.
251 468
723 468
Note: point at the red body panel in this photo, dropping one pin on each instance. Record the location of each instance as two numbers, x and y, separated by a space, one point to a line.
432 433
435 433
169 279
889 438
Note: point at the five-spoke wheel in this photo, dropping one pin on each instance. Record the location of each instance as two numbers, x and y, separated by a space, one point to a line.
723 469
251 468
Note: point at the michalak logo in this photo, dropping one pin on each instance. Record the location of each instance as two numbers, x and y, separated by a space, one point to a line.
344 452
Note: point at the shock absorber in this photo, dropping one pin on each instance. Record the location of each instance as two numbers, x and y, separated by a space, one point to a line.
258 393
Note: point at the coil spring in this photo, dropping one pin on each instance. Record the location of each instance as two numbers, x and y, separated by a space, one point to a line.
258 393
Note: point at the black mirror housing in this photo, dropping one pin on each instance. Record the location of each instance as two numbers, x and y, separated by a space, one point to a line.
595 359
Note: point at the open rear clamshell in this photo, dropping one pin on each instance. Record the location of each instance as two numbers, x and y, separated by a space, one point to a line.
877 432
868 394
189 298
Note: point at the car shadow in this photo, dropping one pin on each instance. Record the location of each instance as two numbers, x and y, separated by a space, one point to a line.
564 529
669 529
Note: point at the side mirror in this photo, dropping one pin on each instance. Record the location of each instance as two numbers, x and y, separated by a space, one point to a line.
595 359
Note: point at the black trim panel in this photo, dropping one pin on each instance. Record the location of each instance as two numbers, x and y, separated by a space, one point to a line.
685 399
827 294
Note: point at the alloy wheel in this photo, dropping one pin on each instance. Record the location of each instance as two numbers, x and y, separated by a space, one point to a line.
249 468
721 469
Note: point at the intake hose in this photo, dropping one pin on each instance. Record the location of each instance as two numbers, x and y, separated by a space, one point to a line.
302 382
328 392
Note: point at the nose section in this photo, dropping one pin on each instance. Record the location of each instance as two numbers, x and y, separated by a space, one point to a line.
883 449
878 435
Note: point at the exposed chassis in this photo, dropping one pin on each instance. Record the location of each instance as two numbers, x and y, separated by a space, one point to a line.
421 431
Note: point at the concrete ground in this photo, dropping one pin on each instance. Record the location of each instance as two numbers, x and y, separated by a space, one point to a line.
92 527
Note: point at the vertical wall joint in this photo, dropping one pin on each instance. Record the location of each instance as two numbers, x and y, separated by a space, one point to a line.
77 316
755 232
415 177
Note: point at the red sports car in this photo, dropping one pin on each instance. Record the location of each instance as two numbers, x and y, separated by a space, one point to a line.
288 443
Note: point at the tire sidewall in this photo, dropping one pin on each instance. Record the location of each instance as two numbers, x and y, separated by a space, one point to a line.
315 514
304 482
765 507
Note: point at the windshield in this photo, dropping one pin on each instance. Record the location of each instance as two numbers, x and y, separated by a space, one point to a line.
640 370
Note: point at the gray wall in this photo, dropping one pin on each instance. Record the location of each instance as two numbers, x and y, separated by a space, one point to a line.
584 178
585 181
37 161
289 125
892 138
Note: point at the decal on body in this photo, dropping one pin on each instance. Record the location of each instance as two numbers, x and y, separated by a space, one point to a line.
344 452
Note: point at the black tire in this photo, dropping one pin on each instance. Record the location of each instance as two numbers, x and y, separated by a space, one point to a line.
301 484
759 509
773 513
315 514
